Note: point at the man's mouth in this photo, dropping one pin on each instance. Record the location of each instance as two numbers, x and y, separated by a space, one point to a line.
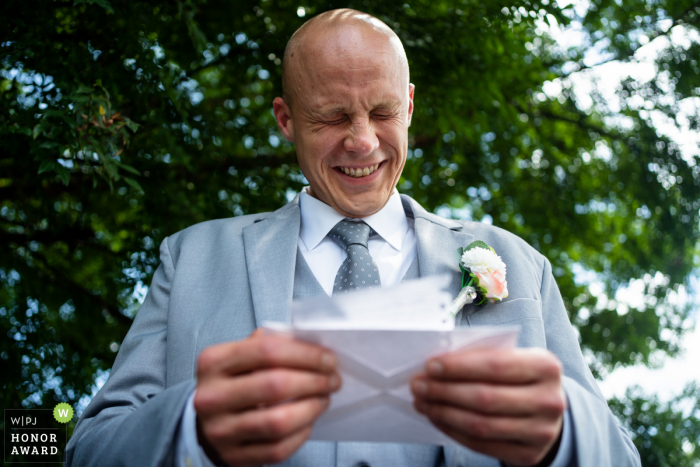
359 172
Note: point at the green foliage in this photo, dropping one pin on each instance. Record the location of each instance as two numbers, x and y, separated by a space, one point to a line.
478 244
123 122
95 135
667 434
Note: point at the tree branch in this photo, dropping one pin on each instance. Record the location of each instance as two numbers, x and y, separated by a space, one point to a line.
234 53
578 122
73 236
630 52
78 289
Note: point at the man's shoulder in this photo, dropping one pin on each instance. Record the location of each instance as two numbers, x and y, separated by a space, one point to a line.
217 233
507 244
214 228
485 232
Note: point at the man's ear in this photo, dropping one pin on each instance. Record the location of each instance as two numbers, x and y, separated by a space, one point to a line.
283 114
411 89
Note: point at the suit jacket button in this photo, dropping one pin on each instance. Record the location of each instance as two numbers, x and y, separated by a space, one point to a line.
362 464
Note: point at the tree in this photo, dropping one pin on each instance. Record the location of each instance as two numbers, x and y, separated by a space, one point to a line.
124 122
666 433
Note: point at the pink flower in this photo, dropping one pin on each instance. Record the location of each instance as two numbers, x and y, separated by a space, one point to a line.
494 283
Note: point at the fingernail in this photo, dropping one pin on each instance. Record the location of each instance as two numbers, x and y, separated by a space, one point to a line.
422 407
435 368
328 360
420 387
334 382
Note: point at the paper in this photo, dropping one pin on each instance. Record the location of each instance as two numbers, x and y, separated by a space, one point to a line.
418 304
379 350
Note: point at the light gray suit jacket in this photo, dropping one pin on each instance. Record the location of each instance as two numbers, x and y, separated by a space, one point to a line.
219 280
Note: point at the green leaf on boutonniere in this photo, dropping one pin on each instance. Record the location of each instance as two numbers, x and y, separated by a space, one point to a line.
482 295
476 244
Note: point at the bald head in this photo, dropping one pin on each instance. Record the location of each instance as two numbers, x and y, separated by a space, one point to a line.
341 36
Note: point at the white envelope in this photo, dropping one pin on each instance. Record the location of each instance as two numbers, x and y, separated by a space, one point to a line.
375 403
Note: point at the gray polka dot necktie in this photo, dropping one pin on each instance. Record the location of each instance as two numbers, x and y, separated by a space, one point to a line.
358 271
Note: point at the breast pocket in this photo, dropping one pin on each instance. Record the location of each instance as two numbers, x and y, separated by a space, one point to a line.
525 312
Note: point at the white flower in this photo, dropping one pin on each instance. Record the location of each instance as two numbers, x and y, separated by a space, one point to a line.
483 261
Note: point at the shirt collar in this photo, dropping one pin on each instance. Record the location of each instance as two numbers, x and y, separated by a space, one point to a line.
318 218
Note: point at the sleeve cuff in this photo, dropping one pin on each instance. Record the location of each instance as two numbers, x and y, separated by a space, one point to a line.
189 452
565 453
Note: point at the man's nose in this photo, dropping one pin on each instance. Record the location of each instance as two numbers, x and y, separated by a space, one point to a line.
362 139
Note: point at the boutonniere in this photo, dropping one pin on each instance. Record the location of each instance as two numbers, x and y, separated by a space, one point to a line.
483 276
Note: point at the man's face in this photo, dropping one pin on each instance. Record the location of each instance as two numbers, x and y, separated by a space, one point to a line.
349 119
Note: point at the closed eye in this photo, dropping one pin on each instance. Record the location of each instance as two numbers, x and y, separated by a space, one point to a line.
332 120
337 121
383 115
320 124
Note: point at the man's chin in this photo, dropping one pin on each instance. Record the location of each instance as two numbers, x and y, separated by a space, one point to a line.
354 205
357 208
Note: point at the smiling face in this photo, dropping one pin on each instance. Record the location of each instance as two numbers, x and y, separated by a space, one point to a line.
351 105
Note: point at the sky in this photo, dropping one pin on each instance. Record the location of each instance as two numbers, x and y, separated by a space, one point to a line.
671 375
667 381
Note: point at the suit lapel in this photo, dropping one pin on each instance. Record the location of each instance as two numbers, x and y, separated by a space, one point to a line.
437 239
270 251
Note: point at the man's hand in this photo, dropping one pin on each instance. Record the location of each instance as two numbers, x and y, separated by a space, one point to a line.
257 399
507 404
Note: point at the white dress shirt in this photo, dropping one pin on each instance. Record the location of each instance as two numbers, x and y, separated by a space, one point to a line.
393 250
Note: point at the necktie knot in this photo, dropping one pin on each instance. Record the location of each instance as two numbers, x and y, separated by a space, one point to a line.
346 233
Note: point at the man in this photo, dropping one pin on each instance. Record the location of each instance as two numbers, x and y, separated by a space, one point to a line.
347 106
